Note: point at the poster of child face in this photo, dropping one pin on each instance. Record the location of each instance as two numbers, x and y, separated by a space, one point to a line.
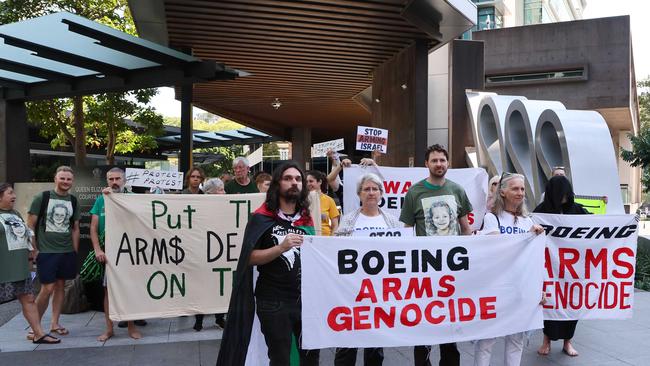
15 231
440 215
58 216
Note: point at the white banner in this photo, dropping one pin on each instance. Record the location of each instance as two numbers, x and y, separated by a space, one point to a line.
397 182
589 267
173 255
371 139
319 150
151 178
391 292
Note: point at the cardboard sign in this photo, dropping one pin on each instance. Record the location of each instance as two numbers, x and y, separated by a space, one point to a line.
151 178
173 255
371 139
319 150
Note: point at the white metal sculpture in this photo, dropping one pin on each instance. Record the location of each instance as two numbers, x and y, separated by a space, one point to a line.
530 137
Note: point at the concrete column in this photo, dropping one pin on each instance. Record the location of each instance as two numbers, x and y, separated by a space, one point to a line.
301 146
14 142
187 142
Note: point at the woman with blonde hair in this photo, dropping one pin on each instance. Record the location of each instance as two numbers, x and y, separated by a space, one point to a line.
509 215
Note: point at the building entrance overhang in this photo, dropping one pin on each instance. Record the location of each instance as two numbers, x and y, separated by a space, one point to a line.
63 55
314 57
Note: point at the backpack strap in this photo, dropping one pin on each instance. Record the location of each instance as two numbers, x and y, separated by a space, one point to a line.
40 220
498 223
45 200
73 199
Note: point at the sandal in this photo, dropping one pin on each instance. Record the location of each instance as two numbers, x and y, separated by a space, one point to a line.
30 335
44 340
60 331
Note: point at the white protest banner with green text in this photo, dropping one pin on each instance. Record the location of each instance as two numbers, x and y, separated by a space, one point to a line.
172 255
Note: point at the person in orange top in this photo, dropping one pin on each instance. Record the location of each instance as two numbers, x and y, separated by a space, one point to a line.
329 214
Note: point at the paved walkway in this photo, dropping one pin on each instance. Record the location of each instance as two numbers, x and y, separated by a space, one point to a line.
174 342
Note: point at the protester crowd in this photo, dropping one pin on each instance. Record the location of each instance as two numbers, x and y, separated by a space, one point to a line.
433 206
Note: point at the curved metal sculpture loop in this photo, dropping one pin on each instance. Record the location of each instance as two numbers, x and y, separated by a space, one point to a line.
531 137
521 122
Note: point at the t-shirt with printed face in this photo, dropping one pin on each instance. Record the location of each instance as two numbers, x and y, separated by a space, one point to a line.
280 278
14 247
506 224
55 231
435 210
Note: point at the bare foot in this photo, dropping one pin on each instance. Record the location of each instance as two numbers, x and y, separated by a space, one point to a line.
134 332
569 350
105 336
544 349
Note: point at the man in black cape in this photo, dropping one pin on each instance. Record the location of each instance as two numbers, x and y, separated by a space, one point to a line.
241 312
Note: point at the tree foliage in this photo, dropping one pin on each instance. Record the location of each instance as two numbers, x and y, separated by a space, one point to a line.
639 156
99 120
222 124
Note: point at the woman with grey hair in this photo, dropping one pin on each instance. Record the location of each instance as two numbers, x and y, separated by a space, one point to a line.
213 186
509 215
369 216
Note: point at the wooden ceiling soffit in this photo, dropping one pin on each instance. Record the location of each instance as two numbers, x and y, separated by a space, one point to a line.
314 55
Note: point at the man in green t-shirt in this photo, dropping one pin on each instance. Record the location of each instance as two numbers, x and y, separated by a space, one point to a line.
116 181
242 183
437 206
55 220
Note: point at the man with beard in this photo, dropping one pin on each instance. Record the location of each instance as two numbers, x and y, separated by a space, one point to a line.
272 243
419 210
115 179
57 247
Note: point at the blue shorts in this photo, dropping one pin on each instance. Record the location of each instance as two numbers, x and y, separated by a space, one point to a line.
56 266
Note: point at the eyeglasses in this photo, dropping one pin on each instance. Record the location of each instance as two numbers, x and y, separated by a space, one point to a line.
12 223
371 189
